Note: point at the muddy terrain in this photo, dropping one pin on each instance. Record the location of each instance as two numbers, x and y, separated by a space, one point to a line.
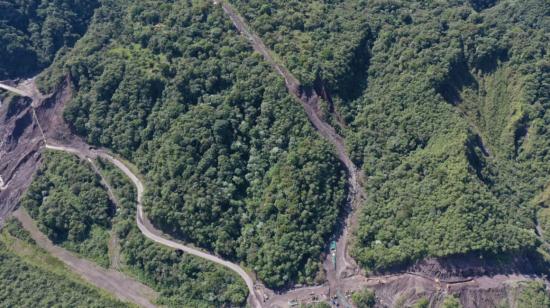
25 123
20 141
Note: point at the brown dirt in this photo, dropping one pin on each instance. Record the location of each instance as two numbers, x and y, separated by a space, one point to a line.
25 129
20 141
124 287
477 283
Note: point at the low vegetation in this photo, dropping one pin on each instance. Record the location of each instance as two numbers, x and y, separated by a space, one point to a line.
364 298
534 294
29 277
451 302
70 206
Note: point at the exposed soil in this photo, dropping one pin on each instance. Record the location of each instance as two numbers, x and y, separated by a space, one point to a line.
477 284
20 141
125 288
21 157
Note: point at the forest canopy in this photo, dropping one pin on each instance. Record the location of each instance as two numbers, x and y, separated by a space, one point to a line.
33 31
443 105
232 163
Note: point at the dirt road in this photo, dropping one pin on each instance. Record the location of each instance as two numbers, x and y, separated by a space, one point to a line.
146 227
124 287
15 90
345 265
345 277
84 151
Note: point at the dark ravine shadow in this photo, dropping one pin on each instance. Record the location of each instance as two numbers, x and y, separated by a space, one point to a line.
476 153
354 82
458 78
490 63
480 5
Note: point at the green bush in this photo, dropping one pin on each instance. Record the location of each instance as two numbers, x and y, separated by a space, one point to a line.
364 298
231 161
70 206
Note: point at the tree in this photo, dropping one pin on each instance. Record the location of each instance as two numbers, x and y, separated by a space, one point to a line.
364 298
451 302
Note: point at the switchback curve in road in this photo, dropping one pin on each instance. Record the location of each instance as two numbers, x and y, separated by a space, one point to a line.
149 231
145 227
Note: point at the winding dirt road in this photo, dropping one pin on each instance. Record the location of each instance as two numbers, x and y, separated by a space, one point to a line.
346 276
86 152
145 226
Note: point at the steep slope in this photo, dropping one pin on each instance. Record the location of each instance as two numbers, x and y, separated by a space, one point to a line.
233 163
442 181
447 102
33 31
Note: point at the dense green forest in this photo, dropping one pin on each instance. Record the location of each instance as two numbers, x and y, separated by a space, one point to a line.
183 280
33 31
29 277
70 206
57 200
448 115
443 104
231 162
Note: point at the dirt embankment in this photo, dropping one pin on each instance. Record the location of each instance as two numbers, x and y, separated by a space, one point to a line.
20 141
28 122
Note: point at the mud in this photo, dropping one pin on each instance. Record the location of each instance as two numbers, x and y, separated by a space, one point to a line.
19 152
25 123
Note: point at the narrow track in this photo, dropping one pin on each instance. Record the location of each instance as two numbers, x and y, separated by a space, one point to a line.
310 101
85 152
145 226
15 90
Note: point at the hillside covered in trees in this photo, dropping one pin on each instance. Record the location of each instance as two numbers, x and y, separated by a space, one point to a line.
73 209
448 116
232 163
33 31
444 105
